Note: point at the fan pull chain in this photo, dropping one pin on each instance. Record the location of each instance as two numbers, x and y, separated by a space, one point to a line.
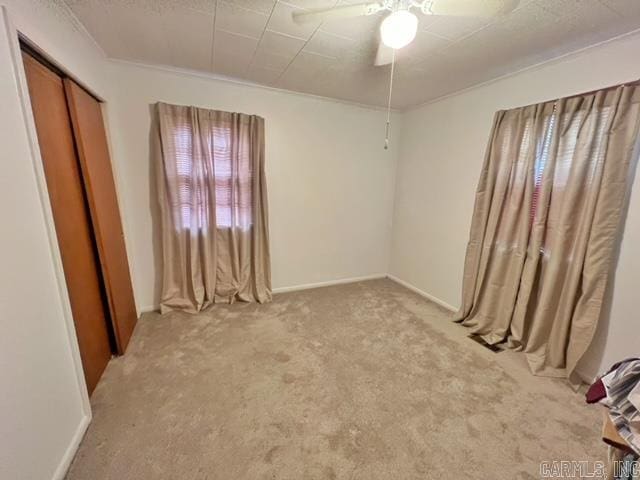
393 64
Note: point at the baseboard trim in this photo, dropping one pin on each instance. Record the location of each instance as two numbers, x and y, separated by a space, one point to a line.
295 288
422 293
149 309
70 452
328 283
585 377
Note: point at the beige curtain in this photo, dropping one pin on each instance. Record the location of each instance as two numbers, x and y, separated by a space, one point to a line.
213 199
546 224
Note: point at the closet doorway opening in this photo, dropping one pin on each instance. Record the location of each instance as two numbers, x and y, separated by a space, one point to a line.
80 185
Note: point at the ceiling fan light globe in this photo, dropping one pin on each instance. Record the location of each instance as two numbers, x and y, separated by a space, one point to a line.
399 29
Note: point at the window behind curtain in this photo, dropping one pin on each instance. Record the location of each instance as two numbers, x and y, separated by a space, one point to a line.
233 189
570 125
566 128
542 155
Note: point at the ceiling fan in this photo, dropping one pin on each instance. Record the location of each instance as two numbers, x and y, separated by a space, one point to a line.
400 26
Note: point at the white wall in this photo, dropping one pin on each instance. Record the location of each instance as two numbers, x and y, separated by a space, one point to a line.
329 180
442 150
330 190
43 405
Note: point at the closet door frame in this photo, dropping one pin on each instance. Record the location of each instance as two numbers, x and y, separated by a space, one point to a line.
72 218
15 38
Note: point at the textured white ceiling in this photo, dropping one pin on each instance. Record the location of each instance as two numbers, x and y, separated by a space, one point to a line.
256 40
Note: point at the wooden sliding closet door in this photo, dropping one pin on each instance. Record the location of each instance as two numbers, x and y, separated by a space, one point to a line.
71 217
91 142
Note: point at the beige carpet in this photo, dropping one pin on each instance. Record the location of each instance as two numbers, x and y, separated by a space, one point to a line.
362 381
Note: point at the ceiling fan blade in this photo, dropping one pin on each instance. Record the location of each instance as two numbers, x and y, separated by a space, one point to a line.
345 11
472 8
384 55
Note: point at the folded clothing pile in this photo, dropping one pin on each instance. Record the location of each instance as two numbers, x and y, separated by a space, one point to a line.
619 391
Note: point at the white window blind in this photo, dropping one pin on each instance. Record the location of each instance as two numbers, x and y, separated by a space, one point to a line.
220 168
570 126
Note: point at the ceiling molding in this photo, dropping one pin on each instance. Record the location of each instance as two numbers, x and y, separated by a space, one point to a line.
73 18
529 68
247 83
432 68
